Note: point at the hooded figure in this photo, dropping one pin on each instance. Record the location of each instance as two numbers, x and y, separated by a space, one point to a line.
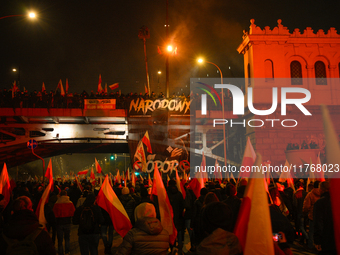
148 235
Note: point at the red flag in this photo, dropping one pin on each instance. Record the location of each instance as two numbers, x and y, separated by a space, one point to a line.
5 186
66 86
195 186
180 185
249 157
92 177
165 208
98 168
14 88
146 90
114 86
218 174
254 219
108 200
40 212
146 141
83 172
99 89
43 87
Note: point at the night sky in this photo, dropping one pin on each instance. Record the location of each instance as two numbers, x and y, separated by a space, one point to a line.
79 40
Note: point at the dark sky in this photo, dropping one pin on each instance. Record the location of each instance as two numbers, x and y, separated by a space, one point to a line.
79 40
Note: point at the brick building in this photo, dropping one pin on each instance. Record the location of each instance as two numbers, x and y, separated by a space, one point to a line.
277 58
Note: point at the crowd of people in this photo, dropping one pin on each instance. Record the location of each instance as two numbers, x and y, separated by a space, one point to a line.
302 216
54 99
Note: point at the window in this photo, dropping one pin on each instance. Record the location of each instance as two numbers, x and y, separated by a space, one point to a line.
320 73
269 70
296 73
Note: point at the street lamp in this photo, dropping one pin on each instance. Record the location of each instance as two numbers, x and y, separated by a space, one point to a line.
159 74
201 60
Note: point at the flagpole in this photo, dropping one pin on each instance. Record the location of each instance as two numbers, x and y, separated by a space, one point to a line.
43 163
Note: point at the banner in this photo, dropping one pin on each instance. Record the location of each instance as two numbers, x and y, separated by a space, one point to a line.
168 124
99 104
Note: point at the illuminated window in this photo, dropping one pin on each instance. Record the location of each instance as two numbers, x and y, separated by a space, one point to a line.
269 70
320 73
296 73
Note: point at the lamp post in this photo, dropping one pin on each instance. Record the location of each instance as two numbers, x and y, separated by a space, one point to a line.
225 144
159 74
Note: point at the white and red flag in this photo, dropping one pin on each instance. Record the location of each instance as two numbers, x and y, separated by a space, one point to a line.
5 186
333 158
98 168
43 87
105 90
118 177
149 180
127 174
40 212
319 175
133 179
249 157
218 174
165 208
79 184
108 200
253 220
100 89
114 86
140 155
146 141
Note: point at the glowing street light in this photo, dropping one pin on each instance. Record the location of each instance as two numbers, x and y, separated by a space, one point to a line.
201 60
14 69
169 48
31 15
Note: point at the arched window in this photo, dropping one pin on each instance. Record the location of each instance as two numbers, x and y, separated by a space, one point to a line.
248 73
320 73
296 73
269 70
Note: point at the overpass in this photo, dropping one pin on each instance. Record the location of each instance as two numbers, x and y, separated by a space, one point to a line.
76 130
60 131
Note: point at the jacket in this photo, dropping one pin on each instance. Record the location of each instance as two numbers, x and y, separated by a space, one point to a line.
129 205
63 210
323 224
148 237
23 223
308 203
97 215
219 242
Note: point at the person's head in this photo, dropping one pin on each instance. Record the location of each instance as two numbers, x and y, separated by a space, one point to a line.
324 187
216 215
63 193
22 203
171 183
125 191
90 199
209 198
230 190
145 210
203 192
316 184
299 184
